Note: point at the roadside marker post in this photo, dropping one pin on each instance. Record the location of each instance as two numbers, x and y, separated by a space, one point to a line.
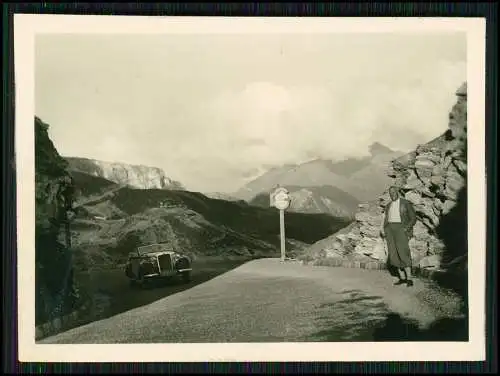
280 199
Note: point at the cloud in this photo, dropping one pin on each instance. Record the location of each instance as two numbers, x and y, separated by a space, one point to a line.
264 123
215 110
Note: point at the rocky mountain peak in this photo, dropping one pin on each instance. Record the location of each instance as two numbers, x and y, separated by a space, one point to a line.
377 149
135 176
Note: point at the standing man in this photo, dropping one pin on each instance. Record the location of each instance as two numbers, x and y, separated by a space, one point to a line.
399 220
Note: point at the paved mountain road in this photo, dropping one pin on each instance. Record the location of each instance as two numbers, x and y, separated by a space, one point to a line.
267 301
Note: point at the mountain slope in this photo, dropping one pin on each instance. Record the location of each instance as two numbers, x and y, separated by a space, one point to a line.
221 196
364 178
111 225
136 176
111 220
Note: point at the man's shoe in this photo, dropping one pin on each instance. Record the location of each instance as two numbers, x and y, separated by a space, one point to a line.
409 283
400 282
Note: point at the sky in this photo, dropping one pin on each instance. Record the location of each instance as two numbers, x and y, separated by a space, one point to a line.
214 111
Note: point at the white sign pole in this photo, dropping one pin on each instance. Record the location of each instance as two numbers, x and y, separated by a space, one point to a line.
282 233
280 199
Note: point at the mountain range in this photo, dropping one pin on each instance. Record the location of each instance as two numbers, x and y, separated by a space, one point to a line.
320 199
317 186
323 185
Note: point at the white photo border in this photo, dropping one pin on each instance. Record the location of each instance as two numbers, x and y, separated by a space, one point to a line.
26 26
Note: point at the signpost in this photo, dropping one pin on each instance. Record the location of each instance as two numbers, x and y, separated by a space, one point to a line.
280 199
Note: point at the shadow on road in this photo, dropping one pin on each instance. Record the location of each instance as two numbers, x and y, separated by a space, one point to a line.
397 328
351 318
358 317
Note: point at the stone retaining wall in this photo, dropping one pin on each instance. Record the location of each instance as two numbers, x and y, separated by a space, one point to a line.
373 265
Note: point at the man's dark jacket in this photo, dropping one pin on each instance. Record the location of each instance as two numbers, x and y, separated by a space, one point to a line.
407 213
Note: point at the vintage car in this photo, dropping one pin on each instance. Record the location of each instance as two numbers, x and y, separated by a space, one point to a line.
157 261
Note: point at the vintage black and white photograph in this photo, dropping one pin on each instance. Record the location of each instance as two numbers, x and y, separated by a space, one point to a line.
251 187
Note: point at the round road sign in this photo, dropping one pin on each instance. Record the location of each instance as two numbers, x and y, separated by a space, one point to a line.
282 200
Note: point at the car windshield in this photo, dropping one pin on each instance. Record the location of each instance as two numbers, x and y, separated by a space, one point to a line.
154 248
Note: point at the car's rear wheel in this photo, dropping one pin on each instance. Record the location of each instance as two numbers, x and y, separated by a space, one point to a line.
141 281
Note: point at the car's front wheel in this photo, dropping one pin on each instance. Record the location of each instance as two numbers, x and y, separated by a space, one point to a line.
186 277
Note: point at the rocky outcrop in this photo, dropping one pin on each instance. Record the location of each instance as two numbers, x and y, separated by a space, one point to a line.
55 289
433 178
135 176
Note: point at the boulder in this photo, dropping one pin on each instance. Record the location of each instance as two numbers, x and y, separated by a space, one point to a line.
424 163
413 197
435 246
432 262
427 160
438 181
461 166
438 204
370 231
425 178
427 192
427 212
379 250
446 162
342 237
462 90
331 252
418 247
362 216
453 186
366 246
413 181
448 205
420 231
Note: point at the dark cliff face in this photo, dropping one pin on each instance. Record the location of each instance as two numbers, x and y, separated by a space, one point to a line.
433 178
55 292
